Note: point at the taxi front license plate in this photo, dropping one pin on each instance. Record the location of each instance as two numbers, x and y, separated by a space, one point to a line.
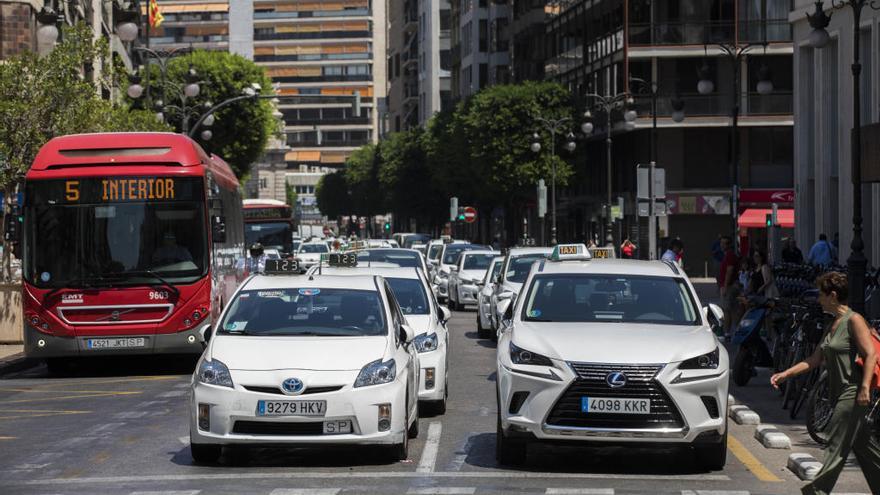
117 343
291 407
337 427
611 405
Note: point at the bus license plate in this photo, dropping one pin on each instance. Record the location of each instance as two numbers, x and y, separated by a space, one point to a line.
611 405
337 427
291 408
117 343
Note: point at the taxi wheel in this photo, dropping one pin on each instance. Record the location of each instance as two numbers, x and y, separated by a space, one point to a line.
482 332
204 453
413 430
509 452
712 457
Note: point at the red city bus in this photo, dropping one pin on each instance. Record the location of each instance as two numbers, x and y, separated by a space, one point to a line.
269 222
131 242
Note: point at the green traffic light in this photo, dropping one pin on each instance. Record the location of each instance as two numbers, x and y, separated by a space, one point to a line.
461 217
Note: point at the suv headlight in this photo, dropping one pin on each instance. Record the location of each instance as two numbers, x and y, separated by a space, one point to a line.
708 361
377 373
425 342
214 372
519 355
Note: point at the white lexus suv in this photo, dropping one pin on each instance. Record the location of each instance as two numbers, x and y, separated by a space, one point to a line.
610 351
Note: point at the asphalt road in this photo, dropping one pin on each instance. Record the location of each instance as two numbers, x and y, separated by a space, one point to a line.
121 427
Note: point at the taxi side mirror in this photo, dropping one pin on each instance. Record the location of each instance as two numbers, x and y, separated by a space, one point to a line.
406 333
505 296
453 268
444 314
504 307
206 332
714 315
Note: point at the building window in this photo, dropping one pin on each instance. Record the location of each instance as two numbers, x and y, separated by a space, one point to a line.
484 35
264 183
484 75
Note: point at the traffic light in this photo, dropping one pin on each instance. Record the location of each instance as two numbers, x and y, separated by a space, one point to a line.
768 221
387 226
461 213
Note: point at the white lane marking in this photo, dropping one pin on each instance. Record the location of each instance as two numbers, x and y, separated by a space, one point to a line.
182 385
102 430
580 491
374 475
172 393
150 403
168 492
130 415
305 491
714 492
72 442
431 449
443 490
462 452
184 440
485 411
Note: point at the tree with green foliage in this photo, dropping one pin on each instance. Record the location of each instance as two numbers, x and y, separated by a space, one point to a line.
333 196
405 177
44 96
241 130
362 175
290 194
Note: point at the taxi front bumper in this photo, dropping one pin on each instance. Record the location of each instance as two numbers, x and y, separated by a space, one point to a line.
433 362
233 410
528 403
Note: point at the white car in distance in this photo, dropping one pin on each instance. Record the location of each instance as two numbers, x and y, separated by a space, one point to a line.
307 361
613 351
309 253
484 298
426 318
465 276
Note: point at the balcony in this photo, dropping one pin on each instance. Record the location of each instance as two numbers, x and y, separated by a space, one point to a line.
719 105
311 35
698 33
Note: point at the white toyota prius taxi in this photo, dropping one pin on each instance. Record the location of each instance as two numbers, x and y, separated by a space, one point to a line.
610 351
307 360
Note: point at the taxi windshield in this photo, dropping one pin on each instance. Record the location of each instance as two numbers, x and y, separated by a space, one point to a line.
410 295
450 255
434 251
477 261
496 269
518 268
317 247
609 298
400 257
306 311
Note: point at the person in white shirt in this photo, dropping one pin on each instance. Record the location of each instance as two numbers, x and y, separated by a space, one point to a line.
671 254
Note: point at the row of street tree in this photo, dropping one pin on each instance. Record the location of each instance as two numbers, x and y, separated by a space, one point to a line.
478 152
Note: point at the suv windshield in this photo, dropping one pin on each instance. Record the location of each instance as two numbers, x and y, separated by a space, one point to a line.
306 311
407 259
518 268
450 255
496 269
477 261
609 298
314 248
410 295
434 251
102 237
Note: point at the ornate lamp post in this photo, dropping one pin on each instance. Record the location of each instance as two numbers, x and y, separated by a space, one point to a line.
554 127
857 263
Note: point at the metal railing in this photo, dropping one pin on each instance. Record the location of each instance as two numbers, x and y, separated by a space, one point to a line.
698 33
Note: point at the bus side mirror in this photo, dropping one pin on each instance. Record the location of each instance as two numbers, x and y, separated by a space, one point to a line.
218 229
12 226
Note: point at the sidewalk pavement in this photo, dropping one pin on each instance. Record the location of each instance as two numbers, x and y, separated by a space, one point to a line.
12 358
7 350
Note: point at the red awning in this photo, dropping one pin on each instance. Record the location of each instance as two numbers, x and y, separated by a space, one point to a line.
757 217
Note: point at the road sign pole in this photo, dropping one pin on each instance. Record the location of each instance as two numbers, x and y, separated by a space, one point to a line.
652 217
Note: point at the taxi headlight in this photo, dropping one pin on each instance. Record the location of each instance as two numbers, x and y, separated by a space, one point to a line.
425 342
707 361
377 373
215 372
519 355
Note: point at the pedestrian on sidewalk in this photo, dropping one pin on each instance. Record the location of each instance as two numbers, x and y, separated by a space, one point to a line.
673 251
628 249
822 252
848 430
791 253
763 281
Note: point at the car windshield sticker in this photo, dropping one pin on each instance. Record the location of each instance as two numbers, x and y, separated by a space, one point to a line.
535 313
271 293
45 276
309 292
236 325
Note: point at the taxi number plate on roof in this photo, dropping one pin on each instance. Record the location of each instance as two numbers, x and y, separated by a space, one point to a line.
282 266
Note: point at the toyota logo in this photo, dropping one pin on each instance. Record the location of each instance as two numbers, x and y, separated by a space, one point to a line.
615 379
292 386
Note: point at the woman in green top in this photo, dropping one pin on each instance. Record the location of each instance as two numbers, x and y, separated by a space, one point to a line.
846 338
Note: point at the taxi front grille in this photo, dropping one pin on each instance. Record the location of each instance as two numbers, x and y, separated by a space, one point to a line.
276 428
278 391
591 382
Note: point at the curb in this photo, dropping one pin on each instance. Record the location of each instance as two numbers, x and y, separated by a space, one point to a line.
15 362
804 466
771 438
742 415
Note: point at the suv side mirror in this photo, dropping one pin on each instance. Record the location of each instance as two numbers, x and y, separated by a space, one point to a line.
218 229
444 314
406 333
715 315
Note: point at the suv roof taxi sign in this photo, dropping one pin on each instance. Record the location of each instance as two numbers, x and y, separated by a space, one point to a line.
570 252
281 267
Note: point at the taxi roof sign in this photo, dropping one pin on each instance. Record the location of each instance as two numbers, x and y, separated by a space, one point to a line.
357 246
570 252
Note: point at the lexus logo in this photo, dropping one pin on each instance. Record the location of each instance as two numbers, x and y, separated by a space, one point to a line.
615 379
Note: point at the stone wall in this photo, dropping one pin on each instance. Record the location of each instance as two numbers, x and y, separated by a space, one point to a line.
17 28
11 323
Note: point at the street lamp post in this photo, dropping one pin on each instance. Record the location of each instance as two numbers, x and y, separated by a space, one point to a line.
857 263
553 126
735 52
608 104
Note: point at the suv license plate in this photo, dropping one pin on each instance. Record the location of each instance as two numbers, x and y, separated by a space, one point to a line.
117 343
611 405
291 407
337 427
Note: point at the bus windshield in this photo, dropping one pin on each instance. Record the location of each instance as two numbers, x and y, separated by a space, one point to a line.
272 235
95 242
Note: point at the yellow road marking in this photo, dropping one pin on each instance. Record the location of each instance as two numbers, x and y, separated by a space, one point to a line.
37 413
8 438
66 383
29 391
84 396
750 461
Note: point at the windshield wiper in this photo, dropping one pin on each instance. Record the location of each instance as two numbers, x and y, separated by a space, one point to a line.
71 283
150 273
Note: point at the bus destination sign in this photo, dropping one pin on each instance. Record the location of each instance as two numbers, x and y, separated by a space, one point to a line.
116 190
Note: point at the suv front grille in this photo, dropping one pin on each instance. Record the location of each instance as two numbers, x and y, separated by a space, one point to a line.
640 385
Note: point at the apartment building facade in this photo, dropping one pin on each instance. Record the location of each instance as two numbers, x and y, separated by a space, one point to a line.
480 45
